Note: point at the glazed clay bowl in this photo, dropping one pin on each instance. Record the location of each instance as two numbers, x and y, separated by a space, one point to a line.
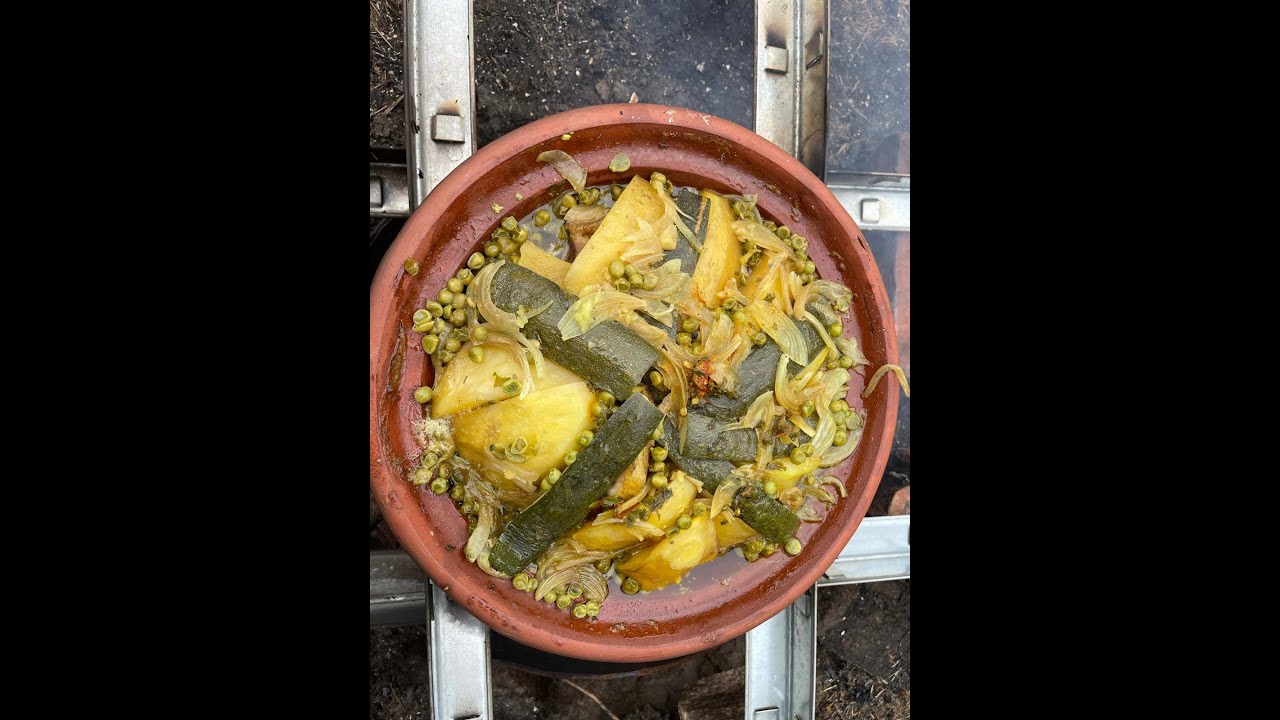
717 601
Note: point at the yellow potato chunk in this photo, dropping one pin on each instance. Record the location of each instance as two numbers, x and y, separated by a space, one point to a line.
544 263
666 562
731 531
721 253
549 421
638 201
466 384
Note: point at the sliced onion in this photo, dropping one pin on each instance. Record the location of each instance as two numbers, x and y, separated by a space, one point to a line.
748 231
505 322
779 327
724 494
631 501
836 455
761 409
833 291
830 480
593 583
568 168
673 213
594 308
875 379
822 332
850 349
672 284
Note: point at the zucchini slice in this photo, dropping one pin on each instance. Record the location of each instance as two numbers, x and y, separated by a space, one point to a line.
691 203
565 505
768 516
755 378
708 438
609 356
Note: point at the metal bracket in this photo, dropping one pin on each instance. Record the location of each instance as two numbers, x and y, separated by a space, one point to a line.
781 660
791 78
875 201
879 550
440 91
388 190
461 687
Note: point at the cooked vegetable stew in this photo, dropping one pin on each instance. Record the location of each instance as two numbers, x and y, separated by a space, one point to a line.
631 381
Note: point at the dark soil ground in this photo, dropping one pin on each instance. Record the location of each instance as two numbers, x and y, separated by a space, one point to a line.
535 59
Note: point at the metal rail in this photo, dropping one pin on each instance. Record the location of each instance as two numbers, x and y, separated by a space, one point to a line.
791 78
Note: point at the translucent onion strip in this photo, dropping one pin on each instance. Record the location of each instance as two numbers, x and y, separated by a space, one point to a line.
568 168
779 327
875 379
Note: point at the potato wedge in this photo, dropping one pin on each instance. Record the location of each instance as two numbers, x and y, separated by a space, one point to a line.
667 561
466 384
638 201
544 263
721 254
549 421
731 531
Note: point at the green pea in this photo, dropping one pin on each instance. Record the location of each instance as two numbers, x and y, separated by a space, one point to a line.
622 285
771 488
696 348
699 510
839 405
454 285
617 268
430 343
491 249
841 438
630 586
658 466
783 232
562 233
522 236
797 456
422 394
445 297
564 601
452 344
655 378
439 486
465 275
480 334
602 566
807 409
807 448
657 433
658 454
476 353
809 479
770 548
544 485
598 409
759 338
799 242
551 597
754 545
457 493
751 556
521 582
649 282
659 480
739 317
683 338
571 457
586 437
509 223
579 611
615 191
541 218
845 362
511 387
420 476
573 590
684 521
606 397
439 327
793 547
689 325
730 305
458 318
476 261
835 329
420 315
809 267
771 225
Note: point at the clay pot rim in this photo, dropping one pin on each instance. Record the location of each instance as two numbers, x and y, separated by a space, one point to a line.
465 589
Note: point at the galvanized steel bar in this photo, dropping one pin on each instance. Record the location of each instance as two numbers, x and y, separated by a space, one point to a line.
791 39
781 660
440 90
461 688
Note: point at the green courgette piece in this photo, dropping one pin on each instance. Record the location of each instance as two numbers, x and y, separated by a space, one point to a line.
756 375
562 508
765 514
609 356
691 203
708 438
